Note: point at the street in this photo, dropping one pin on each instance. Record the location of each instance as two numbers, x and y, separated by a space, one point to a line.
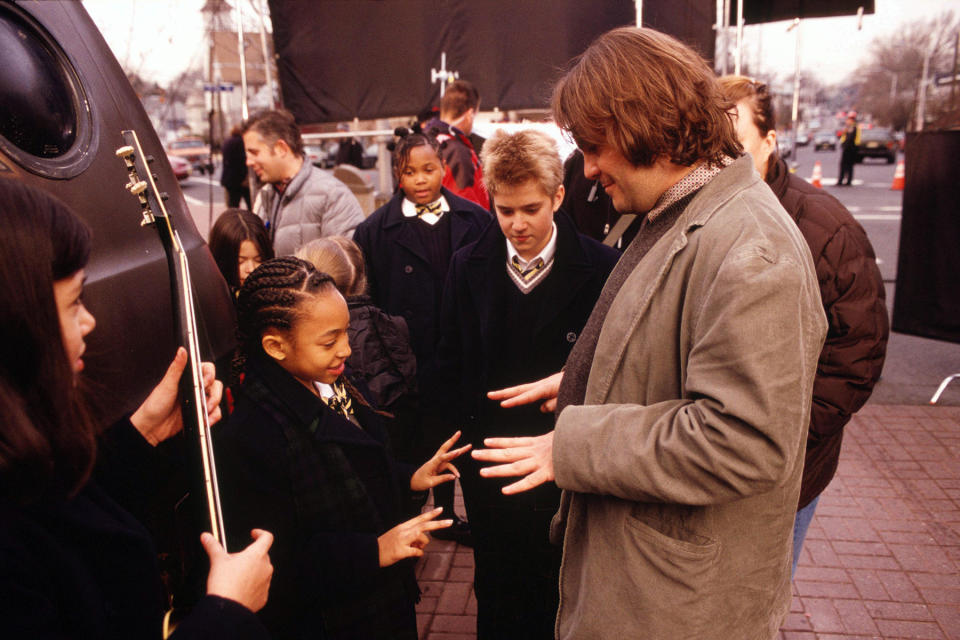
914 366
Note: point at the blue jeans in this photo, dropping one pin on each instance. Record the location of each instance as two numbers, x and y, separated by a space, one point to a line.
800 526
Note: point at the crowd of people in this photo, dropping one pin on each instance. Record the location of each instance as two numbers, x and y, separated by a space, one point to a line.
637 362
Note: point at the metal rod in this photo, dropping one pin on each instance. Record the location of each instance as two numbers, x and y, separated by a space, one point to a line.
245 112
639 6
267 61
739 56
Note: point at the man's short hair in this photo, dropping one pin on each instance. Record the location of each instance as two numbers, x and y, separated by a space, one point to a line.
459 97
647 96
511 159
276 124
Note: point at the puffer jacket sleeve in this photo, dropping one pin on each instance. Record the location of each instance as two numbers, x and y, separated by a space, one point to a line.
852 357
341 211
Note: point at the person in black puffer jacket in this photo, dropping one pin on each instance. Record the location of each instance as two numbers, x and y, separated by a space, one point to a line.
850 285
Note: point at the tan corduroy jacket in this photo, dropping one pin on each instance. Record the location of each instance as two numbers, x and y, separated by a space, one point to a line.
681 470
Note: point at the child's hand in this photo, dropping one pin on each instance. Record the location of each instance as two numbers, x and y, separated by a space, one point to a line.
408 539
429 475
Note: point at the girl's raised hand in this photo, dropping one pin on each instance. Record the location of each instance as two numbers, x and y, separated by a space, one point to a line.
408 539
431 473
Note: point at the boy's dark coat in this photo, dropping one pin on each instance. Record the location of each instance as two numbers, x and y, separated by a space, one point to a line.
318 565
399 276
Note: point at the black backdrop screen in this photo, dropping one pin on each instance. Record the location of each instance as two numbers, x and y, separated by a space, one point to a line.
927 297
340 59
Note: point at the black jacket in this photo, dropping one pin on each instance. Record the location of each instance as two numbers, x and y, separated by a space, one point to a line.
84 567
325 566
472 327
400 279
853 297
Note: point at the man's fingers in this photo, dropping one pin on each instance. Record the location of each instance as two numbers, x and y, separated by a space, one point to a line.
517 468
509 392
549 406
507 443
525 484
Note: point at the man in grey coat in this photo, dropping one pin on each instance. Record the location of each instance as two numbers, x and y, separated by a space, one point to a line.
682 410
298 202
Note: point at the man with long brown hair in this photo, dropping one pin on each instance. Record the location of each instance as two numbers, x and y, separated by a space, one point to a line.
682 409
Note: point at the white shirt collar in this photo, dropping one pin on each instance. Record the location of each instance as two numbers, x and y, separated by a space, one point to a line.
409 209
546 253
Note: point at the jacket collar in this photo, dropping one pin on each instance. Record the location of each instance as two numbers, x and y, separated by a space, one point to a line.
301 405
778 178
713 195
298 180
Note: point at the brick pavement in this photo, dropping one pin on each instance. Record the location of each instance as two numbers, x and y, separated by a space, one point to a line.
882 556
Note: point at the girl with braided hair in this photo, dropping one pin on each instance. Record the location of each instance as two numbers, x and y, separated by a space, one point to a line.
305 452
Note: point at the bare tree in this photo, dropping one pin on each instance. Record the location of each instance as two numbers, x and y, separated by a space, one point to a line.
889 83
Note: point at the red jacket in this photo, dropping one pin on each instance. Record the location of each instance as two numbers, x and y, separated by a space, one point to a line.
463 174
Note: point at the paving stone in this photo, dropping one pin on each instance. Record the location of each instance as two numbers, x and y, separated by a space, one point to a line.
454 598
905 629
898 610
855 616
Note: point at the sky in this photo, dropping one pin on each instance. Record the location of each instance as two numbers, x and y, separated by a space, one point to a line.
161 38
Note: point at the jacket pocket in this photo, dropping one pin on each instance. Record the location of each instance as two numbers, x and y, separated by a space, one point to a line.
679 576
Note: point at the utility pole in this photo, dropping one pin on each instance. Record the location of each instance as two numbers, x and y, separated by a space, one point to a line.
796 87
443 74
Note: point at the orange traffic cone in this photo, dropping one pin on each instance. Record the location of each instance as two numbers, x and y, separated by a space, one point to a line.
898 176
817 175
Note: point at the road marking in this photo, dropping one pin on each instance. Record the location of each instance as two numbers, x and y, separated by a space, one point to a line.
878 217
190 198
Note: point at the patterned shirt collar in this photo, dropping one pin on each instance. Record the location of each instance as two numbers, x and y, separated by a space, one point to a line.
546 253
409 207
702 173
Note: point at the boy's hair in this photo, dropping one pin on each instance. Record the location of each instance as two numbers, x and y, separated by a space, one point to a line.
270 298
459 97
510 159
228 233
341 258
645 95
401 153
47 443
276 124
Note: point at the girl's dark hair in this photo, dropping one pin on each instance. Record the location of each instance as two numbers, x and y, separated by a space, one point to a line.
47 443
228 233
401 153
270 298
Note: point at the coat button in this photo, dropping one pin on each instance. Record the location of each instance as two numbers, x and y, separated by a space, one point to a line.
571 337
408 269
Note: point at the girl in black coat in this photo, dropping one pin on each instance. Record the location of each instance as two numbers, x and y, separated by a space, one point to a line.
514 303
304 454
73 561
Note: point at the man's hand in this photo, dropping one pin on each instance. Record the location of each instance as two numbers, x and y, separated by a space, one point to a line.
431 473
243 577
531 457
159 417
545 389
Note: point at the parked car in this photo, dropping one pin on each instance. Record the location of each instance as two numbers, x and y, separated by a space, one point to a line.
803 139
194 150
877 143
824 140
785 146
181 168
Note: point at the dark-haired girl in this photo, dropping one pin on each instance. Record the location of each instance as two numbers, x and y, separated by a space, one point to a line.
407 244
305 455
239 243
73 562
